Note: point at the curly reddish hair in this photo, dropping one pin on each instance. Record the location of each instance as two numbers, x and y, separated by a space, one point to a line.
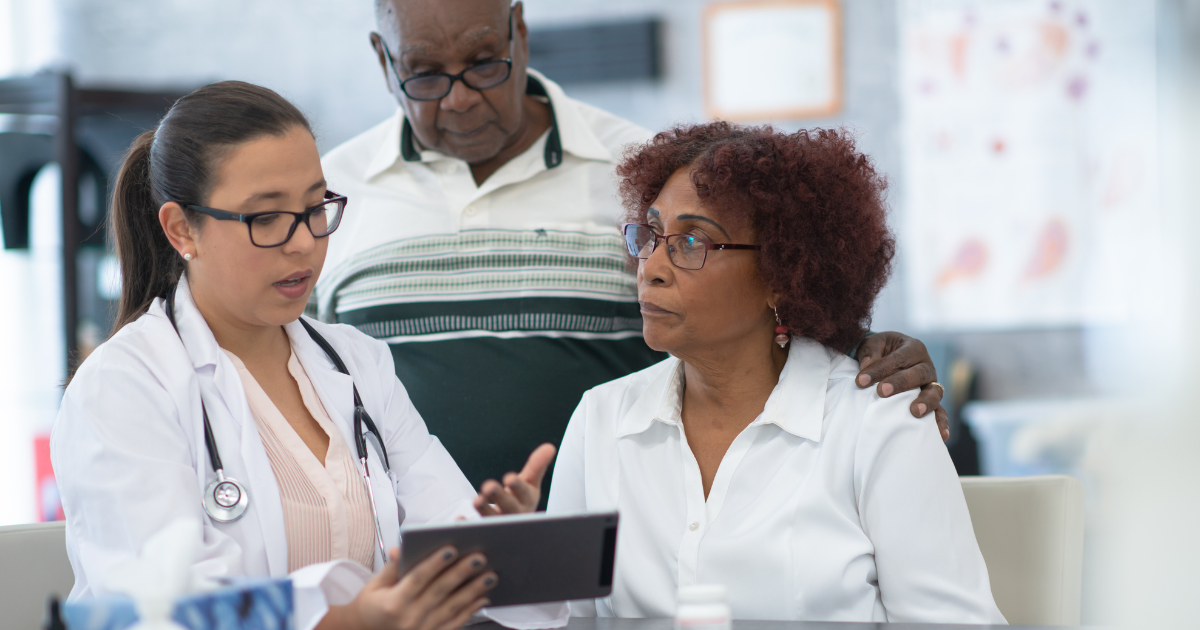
814 202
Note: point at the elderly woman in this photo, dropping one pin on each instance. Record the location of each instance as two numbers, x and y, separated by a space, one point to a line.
750 458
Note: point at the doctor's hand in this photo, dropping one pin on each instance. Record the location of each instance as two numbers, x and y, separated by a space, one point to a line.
521 491
440 593
899 363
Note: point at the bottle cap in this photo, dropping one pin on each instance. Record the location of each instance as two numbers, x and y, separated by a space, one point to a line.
702 594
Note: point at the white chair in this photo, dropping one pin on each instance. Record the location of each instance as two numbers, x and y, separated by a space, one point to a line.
1030 530
34 564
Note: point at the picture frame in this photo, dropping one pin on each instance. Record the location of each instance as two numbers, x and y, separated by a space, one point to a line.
769 60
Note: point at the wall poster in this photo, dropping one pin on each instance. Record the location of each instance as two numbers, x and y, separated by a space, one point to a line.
1029 143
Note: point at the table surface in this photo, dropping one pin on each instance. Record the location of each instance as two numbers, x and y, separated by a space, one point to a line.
592 623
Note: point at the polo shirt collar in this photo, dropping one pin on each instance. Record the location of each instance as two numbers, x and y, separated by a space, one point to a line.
389 147
575 134
796 404
569 132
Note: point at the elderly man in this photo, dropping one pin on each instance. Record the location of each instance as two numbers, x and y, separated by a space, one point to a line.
481 239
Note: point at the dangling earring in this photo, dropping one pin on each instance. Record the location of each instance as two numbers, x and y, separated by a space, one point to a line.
188 256
781 332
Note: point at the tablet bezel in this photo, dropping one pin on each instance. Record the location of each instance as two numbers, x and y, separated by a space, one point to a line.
538 557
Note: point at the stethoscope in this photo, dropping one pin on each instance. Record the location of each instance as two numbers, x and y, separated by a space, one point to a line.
226 499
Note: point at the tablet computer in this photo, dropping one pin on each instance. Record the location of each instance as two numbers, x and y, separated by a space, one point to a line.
538 557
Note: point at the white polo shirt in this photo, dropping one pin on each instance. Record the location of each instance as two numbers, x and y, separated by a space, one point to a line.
833 505
502 303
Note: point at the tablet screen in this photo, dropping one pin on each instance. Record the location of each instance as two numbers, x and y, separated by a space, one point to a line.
537 557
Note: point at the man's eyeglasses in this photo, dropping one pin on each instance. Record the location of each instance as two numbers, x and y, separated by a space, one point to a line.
272 229
686 251
433 87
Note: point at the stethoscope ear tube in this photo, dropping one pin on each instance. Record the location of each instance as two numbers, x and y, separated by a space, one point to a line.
210 443
361 417
359 443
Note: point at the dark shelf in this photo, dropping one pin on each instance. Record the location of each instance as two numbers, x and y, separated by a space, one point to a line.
84 130
609 51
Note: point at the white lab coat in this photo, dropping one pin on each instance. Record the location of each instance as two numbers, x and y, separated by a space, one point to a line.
129 456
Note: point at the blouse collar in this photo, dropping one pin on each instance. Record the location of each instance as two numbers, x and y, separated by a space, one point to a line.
796 404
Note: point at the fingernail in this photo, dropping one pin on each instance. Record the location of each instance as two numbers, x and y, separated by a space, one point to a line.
886 389
863 380
447 555
489 580
476 563
921 408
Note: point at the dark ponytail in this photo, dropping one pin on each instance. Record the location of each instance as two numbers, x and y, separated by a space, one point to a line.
176 162
150 267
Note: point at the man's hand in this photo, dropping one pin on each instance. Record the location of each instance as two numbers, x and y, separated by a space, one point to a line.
521 492
900 363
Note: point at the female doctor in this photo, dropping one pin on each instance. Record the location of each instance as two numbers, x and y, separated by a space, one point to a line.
291 441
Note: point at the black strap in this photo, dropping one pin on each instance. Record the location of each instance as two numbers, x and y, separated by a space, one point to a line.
210 442
361 416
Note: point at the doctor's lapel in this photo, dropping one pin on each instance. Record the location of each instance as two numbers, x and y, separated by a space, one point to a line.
222 380
266 506
336 391
266 503
256 473
229 411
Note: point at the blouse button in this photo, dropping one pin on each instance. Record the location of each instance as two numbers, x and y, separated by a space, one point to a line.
694 526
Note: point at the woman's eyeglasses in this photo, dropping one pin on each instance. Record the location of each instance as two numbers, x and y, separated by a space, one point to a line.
686 251
272 229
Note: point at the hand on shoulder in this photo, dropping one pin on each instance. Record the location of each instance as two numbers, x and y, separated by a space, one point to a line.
898 363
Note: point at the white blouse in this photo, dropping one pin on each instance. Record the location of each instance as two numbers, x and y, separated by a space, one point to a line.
834 504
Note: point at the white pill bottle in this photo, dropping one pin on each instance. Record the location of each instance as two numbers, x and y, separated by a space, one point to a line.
702 607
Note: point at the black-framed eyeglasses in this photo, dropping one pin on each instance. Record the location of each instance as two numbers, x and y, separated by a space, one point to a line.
433 87
272 229
686 251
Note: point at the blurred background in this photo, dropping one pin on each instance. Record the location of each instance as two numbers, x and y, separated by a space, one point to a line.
1040 154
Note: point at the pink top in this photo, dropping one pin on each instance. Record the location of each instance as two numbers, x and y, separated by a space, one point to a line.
326 509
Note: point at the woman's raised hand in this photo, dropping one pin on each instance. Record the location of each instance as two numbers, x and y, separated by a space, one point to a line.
521 491
440 593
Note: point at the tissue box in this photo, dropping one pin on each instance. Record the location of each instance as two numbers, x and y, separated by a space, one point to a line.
248 605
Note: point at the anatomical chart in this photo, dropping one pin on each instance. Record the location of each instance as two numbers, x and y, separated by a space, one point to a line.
1029 144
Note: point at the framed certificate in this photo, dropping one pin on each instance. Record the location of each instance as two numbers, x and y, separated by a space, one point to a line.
772 59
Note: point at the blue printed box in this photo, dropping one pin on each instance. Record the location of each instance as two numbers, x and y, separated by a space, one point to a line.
249 605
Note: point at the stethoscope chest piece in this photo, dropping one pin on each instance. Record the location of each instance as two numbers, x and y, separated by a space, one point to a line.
225 500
